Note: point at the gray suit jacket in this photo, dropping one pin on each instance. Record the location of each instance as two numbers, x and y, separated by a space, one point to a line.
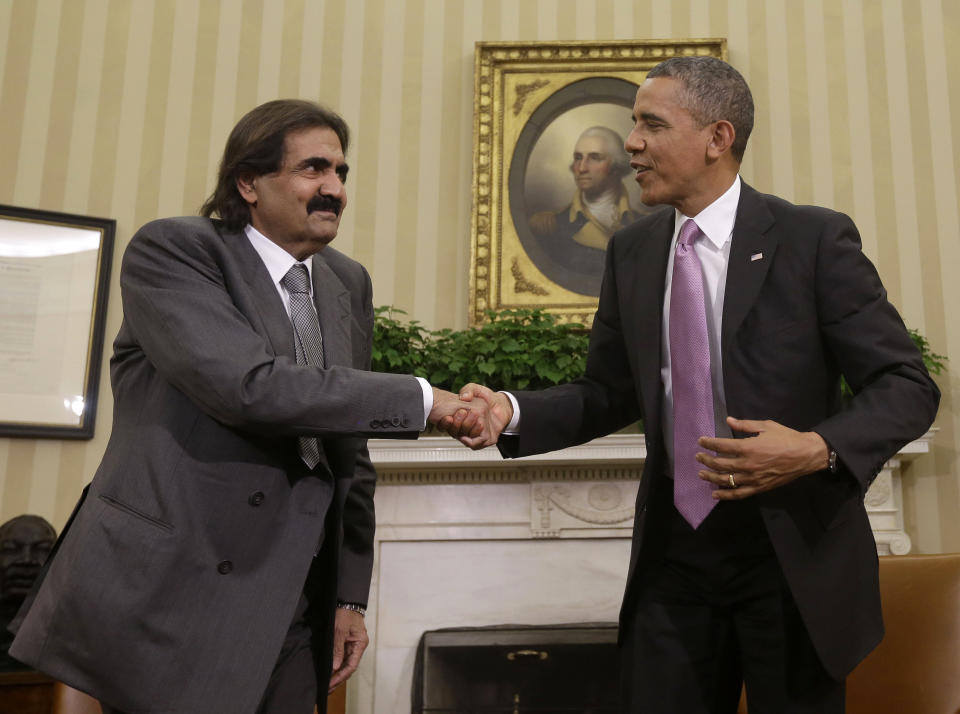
173 585
802 306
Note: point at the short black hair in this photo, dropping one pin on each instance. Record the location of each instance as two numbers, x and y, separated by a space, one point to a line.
712 90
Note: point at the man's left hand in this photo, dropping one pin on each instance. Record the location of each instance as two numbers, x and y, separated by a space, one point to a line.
774 456
349 641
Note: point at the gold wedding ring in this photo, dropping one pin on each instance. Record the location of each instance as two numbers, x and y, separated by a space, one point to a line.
733 484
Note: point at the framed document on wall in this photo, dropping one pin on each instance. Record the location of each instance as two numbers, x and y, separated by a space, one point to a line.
538 106
54 279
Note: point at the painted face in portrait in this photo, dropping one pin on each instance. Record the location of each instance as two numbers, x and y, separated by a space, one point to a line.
592 166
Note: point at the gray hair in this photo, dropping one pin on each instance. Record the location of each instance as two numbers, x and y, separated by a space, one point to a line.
712 90
620 159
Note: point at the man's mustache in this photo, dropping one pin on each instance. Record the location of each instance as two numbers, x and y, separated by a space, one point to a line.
324 203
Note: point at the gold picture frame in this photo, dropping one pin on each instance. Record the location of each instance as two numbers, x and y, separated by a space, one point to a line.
530 247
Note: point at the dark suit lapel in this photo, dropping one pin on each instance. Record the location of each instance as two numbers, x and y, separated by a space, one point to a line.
332 300
751 254
647 288
269 305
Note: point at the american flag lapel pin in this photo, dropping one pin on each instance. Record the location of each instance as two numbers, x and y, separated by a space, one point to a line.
756 256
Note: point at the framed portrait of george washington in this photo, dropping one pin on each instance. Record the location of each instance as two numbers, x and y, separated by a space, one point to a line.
551 179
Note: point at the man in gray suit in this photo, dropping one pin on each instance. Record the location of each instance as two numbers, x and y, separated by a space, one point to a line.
232 512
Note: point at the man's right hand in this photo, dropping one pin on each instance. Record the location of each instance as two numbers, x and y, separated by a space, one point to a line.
450 413
499 414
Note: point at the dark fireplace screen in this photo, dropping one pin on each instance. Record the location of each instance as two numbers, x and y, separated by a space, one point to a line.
517 669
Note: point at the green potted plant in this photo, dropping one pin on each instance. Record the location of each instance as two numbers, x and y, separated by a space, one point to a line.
514 349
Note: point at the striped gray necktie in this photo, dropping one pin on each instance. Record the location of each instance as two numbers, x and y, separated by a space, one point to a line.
306 339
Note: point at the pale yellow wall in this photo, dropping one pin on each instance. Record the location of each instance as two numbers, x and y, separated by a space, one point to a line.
120 108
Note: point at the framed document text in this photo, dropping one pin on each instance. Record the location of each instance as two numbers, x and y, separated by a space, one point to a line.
541 214
54 279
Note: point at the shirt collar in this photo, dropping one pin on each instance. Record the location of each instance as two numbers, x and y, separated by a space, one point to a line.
276 259
716 220
578 205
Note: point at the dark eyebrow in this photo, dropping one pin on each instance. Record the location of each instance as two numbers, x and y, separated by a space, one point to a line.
320 163
650 117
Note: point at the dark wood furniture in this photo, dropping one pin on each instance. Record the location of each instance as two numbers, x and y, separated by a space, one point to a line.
35 693
25 693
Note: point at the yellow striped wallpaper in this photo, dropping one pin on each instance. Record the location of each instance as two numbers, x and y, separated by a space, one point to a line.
120 108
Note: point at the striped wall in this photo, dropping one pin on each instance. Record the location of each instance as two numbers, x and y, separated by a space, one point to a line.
120 108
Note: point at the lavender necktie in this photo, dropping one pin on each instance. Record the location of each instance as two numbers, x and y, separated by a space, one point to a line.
306 339
690 374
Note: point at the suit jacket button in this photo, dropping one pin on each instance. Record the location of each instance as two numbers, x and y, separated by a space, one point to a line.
225 567
256 498
374 424
395 421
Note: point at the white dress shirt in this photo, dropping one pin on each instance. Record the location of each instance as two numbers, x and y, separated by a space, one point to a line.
716 222
278 262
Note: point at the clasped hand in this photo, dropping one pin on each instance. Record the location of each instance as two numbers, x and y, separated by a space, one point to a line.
475 418
774 455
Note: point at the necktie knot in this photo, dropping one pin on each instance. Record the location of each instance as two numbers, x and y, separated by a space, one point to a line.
297 279
689 232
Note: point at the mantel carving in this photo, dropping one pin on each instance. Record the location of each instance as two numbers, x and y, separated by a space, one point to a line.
589 490
438 457
564 506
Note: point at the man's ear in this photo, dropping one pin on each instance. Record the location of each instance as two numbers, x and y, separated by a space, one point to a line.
721 139
246 185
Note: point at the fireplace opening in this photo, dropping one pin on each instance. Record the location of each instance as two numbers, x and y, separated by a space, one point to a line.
517 669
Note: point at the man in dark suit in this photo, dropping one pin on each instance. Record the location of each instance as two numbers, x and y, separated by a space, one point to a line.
232 512
753 559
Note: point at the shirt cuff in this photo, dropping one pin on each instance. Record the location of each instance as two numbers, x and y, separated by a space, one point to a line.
427 399
511 428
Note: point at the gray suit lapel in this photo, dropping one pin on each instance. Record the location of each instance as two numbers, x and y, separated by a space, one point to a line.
332 301
751 254
267 301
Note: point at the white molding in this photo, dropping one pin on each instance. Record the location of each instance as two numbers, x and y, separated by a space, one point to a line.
444 451
429 454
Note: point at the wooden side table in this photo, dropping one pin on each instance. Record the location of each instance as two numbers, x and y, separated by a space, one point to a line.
25 692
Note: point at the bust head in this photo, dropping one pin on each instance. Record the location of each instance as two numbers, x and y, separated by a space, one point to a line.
25 543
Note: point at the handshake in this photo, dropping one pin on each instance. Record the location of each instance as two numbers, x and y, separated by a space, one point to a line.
475 417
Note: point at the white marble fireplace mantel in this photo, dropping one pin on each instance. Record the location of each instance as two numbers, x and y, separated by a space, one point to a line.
465 538
618 457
